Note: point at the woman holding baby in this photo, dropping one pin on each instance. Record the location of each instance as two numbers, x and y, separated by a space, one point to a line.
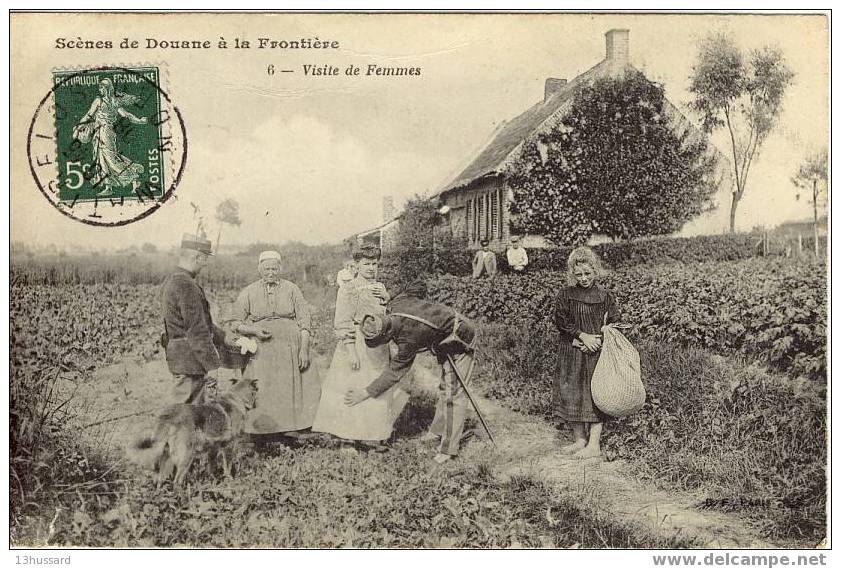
355 365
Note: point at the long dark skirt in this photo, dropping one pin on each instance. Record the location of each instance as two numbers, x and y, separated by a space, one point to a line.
571 390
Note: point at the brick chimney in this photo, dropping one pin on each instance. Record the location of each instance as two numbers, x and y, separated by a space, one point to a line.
616 45
552 86
388 209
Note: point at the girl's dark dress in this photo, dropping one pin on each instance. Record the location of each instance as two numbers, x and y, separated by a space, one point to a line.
579 310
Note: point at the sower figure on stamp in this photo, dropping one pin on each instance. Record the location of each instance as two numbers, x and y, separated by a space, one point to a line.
415 325
191 337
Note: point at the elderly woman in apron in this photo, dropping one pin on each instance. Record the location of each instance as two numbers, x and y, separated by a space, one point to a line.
274 312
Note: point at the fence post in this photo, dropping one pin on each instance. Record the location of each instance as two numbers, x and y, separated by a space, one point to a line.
799 245
815 209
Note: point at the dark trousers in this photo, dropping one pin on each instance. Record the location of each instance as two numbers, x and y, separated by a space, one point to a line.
452 405
192 389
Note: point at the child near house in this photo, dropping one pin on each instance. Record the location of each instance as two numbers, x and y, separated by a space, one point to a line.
581 309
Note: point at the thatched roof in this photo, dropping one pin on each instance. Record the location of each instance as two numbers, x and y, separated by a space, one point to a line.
505 146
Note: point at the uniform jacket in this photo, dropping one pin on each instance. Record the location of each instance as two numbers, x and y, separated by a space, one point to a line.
480 264
193 337
411 336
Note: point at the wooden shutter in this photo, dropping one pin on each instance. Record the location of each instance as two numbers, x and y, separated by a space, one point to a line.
492 214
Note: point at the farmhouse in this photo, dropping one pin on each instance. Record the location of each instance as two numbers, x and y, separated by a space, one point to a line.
383 235
475 203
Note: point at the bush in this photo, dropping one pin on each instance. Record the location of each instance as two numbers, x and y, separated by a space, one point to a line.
402 265
755 442
302 264
752 442
656 251
772 309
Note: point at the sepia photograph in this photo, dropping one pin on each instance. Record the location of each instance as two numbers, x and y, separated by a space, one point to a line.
420 280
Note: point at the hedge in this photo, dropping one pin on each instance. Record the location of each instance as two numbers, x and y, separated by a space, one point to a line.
773 309
403 265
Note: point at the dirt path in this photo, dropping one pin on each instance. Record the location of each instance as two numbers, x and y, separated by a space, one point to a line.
528 445
525 446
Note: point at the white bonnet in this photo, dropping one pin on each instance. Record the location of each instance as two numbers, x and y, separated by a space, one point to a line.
268 255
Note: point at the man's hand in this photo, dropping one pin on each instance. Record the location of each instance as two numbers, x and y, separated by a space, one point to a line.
379 291
231 340
355 396
264 335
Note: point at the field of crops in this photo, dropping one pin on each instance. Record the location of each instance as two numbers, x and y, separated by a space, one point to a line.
70 487
771 309
709 417
753 441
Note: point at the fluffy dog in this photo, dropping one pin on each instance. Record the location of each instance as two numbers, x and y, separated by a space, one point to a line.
184 431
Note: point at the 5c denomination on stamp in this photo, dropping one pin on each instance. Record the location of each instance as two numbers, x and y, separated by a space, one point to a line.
106 146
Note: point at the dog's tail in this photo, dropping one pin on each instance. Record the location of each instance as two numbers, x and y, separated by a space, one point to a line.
147 451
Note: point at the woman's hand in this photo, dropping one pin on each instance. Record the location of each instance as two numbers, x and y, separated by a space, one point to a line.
304 350
263 335
355 363
592 342
246 330
303 358
355 396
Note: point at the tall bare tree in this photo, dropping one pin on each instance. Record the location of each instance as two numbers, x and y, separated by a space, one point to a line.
813 175
742 93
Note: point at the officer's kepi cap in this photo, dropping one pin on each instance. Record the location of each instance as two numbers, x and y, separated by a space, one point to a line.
196 243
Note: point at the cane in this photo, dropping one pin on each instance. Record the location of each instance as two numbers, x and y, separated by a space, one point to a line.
463 382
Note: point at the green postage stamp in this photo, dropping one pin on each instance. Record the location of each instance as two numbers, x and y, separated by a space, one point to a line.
110 130
117 144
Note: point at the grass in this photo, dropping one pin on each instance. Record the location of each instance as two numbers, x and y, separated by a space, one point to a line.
753 442
317 496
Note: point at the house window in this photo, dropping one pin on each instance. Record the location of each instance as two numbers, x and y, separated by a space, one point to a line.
474 226
467 219
501 202
494 231
482 226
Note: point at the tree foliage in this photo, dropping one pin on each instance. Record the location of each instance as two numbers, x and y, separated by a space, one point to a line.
226 212
415 230
813 173
616 164
743 94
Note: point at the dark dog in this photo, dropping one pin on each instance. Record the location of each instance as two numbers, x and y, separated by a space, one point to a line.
184 431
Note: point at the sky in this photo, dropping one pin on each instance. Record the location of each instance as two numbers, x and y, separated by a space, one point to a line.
311 158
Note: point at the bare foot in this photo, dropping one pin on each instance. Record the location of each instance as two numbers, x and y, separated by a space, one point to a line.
588 452
573 448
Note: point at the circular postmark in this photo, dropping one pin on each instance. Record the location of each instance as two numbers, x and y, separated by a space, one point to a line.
106 145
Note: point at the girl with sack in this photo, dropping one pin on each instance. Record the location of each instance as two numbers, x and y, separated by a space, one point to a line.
581 309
